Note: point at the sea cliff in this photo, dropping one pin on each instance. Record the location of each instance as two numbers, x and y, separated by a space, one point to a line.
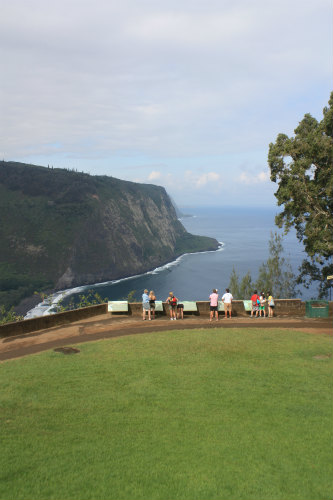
62 228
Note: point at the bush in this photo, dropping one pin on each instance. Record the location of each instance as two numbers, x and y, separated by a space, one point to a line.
8 316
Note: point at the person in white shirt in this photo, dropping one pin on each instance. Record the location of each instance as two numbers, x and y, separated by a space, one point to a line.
227 299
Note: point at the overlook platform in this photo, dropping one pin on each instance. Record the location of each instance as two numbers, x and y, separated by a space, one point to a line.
104 326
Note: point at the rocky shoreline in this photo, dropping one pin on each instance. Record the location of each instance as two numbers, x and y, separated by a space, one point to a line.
29 303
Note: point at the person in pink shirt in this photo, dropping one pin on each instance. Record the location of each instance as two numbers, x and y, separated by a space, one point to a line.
213 305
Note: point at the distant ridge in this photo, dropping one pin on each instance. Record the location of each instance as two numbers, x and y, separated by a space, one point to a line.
179 213
61 228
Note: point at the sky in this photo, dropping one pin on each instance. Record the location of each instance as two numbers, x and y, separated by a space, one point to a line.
186 94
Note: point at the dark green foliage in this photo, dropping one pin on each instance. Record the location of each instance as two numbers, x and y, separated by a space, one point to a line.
131 296
61 228
91 298
192 243
14 286
302 166
8 316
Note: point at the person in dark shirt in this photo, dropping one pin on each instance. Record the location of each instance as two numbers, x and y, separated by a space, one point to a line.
152 299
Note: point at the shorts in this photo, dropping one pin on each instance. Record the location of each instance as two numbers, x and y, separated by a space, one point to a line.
172 307
272 307
255 308
262 308
145 306
152 304
227 306
213 308
180 306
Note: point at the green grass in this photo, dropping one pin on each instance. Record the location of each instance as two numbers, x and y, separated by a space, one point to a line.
217 414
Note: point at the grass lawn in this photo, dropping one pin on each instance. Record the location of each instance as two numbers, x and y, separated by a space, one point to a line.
203 414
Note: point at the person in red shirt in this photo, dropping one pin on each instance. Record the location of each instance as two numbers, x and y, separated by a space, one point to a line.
255 304
172 301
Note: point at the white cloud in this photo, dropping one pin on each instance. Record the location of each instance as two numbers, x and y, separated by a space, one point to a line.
186 180
201 180
254 178
160 80
263 177
154 175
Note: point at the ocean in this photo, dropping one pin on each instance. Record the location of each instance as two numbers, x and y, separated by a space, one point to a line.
244 234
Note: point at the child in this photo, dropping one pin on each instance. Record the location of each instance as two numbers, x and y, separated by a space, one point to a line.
262 310
271 305
180 311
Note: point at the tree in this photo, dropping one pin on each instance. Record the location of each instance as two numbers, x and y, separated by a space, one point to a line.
302 166
246 286
8 316
240 289
234 285
275 275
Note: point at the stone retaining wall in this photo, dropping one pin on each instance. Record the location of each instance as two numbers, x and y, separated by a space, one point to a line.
283 307
50 321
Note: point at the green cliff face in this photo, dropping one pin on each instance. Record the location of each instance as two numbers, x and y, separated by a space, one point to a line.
61 228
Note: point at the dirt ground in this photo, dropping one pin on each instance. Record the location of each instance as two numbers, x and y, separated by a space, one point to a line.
106 326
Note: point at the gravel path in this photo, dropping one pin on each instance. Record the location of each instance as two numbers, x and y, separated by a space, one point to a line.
105 327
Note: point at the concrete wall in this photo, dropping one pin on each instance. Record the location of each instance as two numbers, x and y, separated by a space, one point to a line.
283 307
35 324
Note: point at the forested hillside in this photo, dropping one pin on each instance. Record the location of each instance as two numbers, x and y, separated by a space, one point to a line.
62 228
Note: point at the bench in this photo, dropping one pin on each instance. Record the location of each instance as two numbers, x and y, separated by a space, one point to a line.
189 305
247 305
159 306
117 306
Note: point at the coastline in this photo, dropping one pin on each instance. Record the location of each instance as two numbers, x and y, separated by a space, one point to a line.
33 306
29 303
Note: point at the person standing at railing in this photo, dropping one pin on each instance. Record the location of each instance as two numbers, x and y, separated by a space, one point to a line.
214 298
152 299
262 306
227 299
255 307
271 305
145 305
180 311
172 301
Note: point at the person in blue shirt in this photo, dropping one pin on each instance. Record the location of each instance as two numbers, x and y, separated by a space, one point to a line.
145 305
